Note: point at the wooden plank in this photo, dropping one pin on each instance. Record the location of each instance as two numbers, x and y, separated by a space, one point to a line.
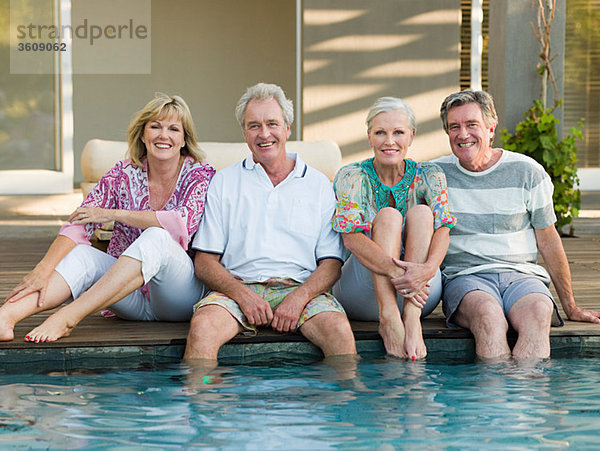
18 256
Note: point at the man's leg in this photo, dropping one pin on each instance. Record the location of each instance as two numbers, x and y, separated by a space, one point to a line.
211 327
531 317
482 314
331 332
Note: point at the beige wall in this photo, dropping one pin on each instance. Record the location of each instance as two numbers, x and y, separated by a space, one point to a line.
204 50
356 51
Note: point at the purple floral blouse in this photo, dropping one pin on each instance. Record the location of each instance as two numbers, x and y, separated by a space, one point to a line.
125 187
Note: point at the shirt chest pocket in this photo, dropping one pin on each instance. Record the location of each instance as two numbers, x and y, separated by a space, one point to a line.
510 215
304 218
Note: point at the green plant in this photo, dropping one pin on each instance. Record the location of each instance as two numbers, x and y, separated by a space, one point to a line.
536 135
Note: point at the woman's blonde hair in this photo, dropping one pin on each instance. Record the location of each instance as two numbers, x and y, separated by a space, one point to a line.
162 106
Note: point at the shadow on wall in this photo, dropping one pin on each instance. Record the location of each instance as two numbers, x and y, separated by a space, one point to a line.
357 51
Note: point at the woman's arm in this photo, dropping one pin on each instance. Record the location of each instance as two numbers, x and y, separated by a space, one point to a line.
417 275
181 222
371 255
38 278
433 190
139 219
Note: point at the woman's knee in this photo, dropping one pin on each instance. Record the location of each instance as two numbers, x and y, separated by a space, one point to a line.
388 216
83 266
388 221
154 241
154 235
84 258
421 215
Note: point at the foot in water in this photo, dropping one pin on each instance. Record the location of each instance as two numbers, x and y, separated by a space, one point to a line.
414 345
393 335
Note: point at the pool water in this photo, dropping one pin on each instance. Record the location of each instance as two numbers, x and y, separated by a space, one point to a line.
382 403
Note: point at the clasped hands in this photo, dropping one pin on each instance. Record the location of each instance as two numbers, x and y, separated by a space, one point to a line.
413 284
283 318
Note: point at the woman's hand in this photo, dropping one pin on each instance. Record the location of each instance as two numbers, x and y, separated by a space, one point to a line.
420 298
85 215
415 278
36 281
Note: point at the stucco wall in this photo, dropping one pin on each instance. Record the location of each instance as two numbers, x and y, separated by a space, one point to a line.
206 51
356 51
513 57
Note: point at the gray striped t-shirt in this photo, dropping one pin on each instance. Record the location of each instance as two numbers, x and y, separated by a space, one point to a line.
497 211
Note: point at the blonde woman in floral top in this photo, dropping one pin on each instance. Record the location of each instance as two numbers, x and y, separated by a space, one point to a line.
156 198
394 217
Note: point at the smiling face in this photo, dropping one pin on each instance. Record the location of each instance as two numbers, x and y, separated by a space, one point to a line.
390 137
470 139
265 131
164 137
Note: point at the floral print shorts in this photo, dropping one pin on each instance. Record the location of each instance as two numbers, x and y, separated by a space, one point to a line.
274 292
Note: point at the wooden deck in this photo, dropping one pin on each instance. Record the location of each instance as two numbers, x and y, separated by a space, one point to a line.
19 255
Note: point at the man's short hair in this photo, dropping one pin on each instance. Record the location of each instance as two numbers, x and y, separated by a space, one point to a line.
262 92
481 98
385 104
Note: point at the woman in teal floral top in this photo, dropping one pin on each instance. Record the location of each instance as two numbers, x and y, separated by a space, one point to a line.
394 217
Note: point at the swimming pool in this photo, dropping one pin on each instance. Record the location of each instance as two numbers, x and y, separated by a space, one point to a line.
383 403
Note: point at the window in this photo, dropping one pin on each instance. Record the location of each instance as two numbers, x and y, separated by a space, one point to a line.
582 77
465 44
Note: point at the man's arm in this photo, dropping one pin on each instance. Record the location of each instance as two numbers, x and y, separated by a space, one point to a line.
210 271
555 259
288 313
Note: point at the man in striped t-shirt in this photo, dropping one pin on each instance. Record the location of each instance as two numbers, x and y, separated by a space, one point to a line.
503 204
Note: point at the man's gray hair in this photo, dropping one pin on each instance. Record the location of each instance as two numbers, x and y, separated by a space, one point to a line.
262 92
481 98
385 104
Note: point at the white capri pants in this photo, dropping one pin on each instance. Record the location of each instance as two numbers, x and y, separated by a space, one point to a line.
356 292
167 270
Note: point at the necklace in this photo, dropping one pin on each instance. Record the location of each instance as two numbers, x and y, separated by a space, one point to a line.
159 194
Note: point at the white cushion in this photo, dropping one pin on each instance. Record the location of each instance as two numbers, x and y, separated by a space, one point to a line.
100 155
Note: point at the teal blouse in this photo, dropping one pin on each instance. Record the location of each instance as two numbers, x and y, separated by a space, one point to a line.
360 194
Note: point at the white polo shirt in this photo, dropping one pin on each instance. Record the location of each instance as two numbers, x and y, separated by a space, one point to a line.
264 231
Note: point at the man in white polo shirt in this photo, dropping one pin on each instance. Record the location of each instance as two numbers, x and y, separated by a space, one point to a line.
265 244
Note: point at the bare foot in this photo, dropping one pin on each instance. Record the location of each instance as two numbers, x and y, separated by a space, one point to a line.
55 327
413 343
7 329
392 331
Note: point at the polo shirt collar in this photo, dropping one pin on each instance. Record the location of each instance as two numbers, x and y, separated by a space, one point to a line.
299 168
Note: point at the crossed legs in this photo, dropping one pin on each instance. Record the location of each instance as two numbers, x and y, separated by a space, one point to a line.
12 312
124 277
98 281
530 316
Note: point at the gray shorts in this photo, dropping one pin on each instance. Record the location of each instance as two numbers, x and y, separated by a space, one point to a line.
506 287
356 292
